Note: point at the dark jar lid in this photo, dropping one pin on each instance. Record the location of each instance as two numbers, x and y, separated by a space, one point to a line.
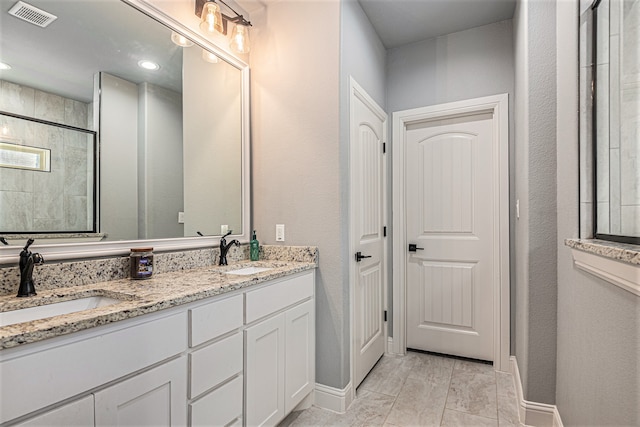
141 249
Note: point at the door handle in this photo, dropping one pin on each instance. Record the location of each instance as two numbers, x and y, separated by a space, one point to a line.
413 248
360 257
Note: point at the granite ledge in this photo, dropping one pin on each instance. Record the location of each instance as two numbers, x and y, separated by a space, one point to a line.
622 252
138 297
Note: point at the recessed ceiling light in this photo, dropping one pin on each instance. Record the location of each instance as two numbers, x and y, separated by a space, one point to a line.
148 65
4 66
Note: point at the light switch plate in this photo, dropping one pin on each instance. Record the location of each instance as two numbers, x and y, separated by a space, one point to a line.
180 217
279 232
224 229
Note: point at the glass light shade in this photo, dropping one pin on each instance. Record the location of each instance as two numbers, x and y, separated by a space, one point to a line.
180 40
211 18
240 39
210 57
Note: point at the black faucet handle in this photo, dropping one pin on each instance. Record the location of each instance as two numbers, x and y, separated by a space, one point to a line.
228 234
29 243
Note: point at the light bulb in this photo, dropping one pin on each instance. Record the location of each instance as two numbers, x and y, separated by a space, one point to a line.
211 18
180 40
210 57
240 39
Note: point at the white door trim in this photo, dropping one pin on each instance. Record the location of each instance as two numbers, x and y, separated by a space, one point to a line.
498 105
356 91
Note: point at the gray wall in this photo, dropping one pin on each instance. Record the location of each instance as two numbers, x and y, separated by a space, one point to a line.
160 177
463 65
598 352
118 158
535 175
296 177
141 187
363 57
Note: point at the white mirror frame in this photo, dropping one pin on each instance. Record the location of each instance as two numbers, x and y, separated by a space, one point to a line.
68 251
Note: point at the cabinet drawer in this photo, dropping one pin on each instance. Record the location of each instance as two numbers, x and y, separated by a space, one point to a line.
220 407
267 300
78 413
215 363
214 319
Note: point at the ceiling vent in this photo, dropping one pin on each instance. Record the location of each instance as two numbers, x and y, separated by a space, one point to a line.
32 14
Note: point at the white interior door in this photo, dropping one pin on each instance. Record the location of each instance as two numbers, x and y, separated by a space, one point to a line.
367 163
450 201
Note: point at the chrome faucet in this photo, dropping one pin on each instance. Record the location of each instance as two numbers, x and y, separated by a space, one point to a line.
224 247
28 260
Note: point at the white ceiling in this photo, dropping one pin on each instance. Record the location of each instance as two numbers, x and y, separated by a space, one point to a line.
400 22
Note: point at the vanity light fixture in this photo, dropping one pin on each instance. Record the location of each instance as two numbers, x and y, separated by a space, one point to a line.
210 57
212 21
148 65
211 18
180 40
240 39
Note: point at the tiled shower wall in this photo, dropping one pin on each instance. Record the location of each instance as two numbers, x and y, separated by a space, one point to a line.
59 200
618 117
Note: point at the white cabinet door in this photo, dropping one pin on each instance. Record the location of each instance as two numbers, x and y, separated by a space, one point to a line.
300 343
152 398
264 371
77 413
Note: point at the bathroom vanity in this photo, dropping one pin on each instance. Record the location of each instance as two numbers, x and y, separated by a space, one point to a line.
197 347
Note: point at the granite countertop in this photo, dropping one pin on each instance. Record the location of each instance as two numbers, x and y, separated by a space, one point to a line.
622 252
138 297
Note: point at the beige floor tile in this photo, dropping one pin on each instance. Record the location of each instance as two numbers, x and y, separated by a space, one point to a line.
474 367
428 366
309 417
369 409
461 419
389 375
420 403
424 390
473 393
508 413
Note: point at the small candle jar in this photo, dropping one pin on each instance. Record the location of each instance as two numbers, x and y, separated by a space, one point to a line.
141 260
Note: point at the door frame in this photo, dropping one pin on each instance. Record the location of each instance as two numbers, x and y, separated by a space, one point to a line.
356 91
498 105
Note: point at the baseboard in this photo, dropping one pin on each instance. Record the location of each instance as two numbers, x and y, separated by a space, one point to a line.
533 413
333 399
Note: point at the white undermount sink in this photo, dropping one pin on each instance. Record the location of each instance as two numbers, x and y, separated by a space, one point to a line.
246 271
54 309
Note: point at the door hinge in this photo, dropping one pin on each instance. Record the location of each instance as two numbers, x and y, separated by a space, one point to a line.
384 147
384 231
385 315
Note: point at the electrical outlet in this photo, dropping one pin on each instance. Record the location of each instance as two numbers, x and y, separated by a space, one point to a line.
518 209
180 217
224 229
279 232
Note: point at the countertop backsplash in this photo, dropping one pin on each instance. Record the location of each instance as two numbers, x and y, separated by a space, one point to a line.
85 272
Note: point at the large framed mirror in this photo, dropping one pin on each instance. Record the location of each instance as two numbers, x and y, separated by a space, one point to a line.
173 142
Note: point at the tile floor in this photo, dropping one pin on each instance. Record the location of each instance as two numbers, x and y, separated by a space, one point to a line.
424 390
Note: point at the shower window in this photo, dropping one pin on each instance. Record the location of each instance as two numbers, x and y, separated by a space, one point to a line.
616 119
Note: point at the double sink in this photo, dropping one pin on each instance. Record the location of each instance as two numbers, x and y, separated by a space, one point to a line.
54 307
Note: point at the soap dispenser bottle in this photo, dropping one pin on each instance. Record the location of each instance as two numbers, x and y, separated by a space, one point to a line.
254 247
